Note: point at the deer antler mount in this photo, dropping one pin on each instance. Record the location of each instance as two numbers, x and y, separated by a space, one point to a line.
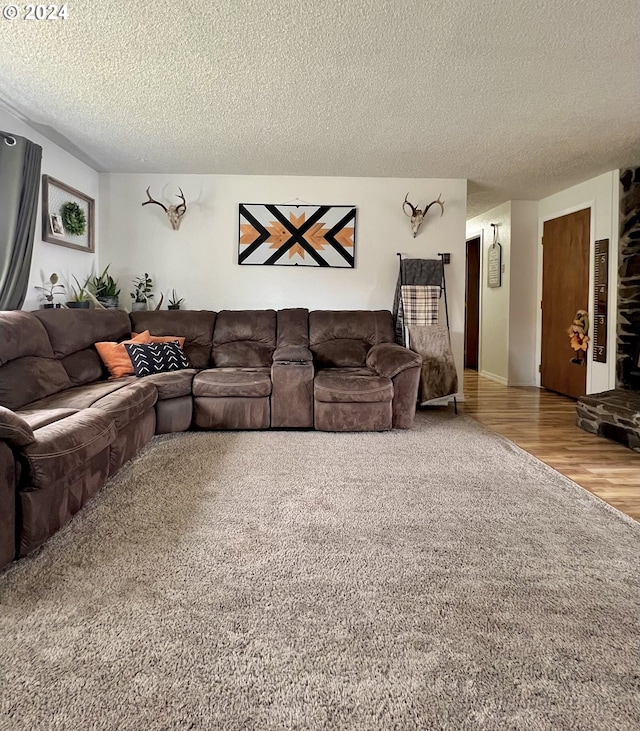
417 214
174 212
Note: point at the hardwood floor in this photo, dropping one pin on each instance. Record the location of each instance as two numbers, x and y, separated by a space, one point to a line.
544 424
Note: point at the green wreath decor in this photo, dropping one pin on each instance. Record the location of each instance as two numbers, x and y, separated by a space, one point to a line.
73 219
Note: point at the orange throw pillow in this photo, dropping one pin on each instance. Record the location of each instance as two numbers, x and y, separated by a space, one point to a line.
115 356
164 339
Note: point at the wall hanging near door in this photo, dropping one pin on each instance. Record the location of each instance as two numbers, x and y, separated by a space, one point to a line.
67 216
495 260
297 235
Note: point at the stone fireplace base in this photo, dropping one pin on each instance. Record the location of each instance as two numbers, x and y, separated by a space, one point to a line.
612 414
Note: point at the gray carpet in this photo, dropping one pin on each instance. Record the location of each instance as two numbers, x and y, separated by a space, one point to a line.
433 579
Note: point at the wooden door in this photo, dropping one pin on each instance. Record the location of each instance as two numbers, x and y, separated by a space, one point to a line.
565 290
472 305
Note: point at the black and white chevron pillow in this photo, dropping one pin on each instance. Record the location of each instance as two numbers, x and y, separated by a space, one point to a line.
156 358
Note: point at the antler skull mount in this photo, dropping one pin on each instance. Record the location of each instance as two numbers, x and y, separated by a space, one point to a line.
417 214
174 213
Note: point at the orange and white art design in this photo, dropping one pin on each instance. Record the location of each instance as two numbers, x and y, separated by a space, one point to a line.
304 235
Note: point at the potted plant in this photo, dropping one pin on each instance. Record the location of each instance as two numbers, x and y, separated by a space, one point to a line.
141 292
105 288
79 295
174 304
50 292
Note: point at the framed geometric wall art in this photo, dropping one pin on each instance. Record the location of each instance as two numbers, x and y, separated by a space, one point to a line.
297 235
68 216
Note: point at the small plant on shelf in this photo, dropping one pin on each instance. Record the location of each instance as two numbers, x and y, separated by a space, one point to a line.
142 293
105 288
80 296
174 304
51 290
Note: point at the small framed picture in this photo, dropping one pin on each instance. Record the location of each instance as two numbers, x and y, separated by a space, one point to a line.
56 224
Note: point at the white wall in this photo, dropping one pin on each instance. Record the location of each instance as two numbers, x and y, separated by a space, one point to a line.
48 258
200 260
601 194
494 302
509 312
523 284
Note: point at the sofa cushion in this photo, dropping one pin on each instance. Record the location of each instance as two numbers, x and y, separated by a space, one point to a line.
242 354
196 326
165 339
341 353
63 447
80 397
128 403
28 370
31 378
37 418
22 334
342 387
14 429
116 357
244 338
72 330
221 382
172 384
153 358
85 366
370 326
344 337
293 328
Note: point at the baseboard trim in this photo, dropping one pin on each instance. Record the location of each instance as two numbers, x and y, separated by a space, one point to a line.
493 377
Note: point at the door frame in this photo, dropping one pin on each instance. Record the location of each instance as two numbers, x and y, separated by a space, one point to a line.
478 234
590 204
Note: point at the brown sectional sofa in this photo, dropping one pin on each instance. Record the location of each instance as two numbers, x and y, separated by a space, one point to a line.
65 427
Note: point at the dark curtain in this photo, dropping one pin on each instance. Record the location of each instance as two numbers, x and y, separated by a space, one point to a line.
19 185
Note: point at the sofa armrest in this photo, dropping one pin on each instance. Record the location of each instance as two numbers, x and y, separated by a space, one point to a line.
292 354
14 429
8 480
389 359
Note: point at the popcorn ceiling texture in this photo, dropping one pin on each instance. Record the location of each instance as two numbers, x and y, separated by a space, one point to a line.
523 99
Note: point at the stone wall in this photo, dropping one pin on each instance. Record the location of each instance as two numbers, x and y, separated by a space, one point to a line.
628 326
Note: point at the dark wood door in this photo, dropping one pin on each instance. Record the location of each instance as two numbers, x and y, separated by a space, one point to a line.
472 305
565 290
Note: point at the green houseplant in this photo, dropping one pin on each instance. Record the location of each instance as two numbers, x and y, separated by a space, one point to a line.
106 289
80 297
50 290
174 304
141 294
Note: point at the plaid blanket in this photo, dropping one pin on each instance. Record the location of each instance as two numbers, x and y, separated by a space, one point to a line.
422 272
419 304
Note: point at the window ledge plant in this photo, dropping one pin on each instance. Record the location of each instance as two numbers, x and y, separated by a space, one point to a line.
49 291
105 288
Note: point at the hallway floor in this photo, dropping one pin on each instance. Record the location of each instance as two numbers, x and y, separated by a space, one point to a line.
544 424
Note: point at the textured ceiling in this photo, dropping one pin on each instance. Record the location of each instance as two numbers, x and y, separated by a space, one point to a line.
521 98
